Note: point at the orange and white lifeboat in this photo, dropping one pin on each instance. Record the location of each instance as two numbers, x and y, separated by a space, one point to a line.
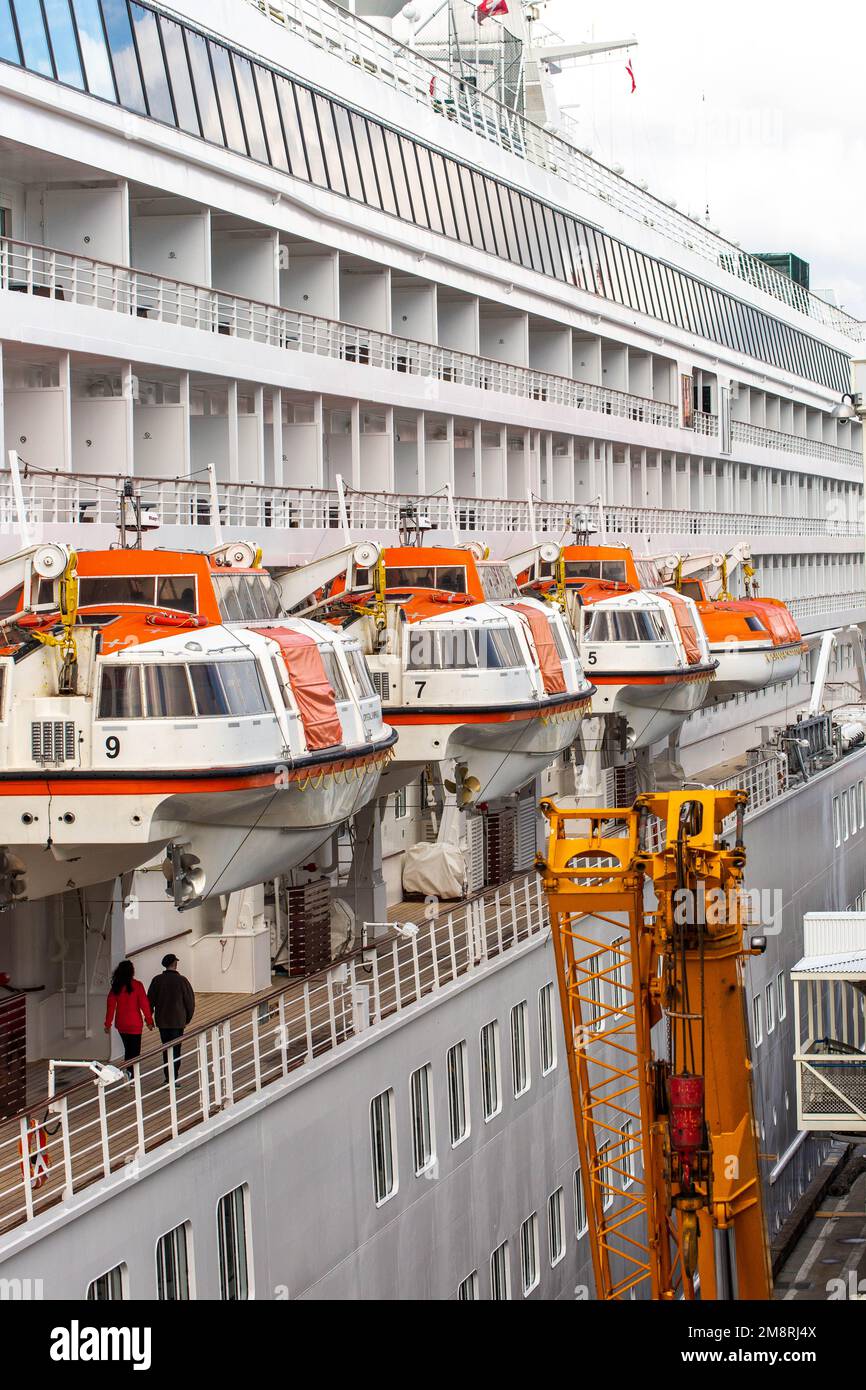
496 686
133 721
645 651
649 657
755 641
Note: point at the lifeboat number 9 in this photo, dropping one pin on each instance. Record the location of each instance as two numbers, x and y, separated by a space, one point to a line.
112 747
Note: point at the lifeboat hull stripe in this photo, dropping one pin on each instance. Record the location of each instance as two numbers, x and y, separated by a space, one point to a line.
671 678
127 783
510 714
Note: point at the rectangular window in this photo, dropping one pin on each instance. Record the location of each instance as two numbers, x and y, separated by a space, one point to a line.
629 1156
382 1140
172 1265
124 58
167 692
521 1073
617 974
770 998
581 1219
468 1290
491 1085
862 790
208 107
8 40
120 693
546 1029
500 1273
34 41
252 117
606 1174
152 64
781 996
228 98
837 823
529 1262
64 45
594 968
556 1227
757 1020
233 1248
178 75
423 1141
458 1093
109 1287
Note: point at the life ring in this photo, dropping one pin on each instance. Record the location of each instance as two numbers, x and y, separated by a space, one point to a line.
187 620
37 1154
458 600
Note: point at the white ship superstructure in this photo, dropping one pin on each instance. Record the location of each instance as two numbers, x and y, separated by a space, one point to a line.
268 276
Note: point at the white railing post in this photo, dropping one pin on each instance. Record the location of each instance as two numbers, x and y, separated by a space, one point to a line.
203 1076
26 1175
228 1077
139 1110
281 1034
103 1129
257 1054
308 1021
68 1181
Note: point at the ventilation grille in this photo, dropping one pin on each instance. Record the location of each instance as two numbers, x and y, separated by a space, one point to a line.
475 854
52 741
382 685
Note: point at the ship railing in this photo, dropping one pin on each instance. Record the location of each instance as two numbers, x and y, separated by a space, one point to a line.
335 30
99 1130
65 276
54 498
820 605
831 1090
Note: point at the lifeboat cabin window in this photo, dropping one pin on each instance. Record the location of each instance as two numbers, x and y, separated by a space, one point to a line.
362 675
246 597
206 690
451 579
640 626
613 571
177 591
334 674
464 649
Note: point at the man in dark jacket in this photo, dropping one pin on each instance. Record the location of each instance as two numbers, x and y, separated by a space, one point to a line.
173 1002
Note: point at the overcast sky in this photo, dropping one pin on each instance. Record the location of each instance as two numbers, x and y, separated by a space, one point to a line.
756 108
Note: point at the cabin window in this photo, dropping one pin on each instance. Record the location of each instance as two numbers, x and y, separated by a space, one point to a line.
468 1290
423 1145
334 674
451 579
629 1156
176 591
605 1174
173 1265
233 1250
109 1287
521 1074
770 999
458 1093
106 591
500 1273
491 1085
361 673
529 1254
167 692
781 996
581 1218
757 1020
120 693
556 1227
382 1142
243 685
247 597
546 1031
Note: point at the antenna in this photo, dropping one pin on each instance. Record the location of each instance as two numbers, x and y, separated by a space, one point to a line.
344 511
452 513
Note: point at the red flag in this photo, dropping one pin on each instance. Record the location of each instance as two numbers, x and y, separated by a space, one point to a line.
630 71
488 9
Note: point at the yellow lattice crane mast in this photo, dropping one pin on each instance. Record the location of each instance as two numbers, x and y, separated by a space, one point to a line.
653 1003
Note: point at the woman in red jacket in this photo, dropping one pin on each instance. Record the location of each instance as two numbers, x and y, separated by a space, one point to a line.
127 1006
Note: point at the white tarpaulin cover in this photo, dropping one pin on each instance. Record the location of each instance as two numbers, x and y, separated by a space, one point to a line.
435 871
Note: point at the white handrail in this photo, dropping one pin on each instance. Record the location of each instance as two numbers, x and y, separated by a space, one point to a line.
67 277
93 1131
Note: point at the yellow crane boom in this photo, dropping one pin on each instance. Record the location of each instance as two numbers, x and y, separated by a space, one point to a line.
653 1004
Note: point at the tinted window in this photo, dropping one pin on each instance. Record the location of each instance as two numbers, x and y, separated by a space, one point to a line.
152 64
334 674
271 115
63 43
8 41
250 109
124 589
120 693
123 55
34 40
177 591
178 71
243 687
227 98
167 692
204 89
210 695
